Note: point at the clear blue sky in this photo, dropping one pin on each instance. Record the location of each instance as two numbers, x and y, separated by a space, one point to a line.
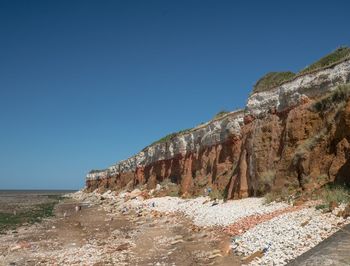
84 84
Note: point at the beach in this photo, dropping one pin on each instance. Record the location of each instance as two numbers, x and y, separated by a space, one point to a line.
101 232
133 228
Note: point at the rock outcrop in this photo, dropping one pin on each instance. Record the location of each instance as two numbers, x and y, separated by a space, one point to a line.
280 141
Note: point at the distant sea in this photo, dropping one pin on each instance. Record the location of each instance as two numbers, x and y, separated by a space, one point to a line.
35 191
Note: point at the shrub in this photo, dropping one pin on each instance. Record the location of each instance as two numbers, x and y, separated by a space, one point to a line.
321 207
339 95
281 195
322 179
271 80
308 145
93 171
201 182
334 57
271 197
173 193
337 194
265 181
167 183
216 194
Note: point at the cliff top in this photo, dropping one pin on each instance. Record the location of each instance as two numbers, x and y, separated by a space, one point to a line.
274 79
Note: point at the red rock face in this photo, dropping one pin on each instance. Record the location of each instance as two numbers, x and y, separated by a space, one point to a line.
210 167
298 149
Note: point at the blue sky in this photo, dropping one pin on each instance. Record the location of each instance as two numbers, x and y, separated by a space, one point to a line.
84 84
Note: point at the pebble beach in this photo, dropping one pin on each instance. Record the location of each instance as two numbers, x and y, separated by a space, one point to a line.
271 234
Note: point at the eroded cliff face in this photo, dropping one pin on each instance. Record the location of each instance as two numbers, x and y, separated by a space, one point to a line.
278 142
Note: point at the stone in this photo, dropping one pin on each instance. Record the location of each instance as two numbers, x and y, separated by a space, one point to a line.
213 256
346 212
250 258
122 247
333 205
176 242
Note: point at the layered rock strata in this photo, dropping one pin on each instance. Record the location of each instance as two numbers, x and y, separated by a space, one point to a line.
278 142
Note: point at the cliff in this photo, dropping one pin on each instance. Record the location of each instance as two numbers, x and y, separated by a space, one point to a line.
294 135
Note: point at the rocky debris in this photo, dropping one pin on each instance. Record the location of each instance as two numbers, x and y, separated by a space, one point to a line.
246 223
204 214
274 233
86 242
270 234
286 236
20 245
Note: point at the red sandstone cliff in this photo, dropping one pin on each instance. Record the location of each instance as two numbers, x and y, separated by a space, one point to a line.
292 137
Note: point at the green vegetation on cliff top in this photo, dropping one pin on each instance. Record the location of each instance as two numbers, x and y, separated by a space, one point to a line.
328 60
221 114
274 79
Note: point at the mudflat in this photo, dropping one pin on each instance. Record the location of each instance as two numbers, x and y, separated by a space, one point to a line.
18 207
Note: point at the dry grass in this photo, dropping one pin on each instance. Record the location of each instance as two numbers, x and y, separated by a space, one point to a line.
334 57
